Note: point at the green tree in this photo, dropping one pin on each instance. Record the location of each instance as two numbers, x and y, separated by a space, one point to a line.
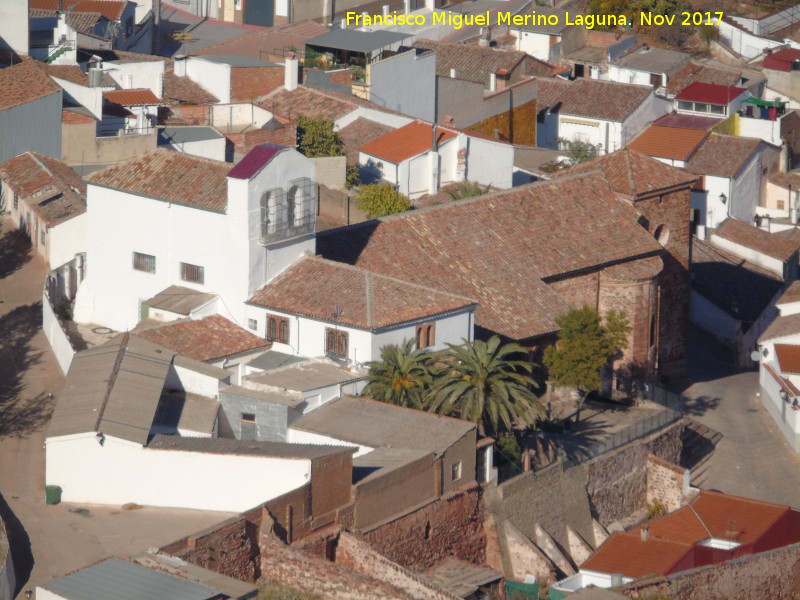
467 189
402 376
352 177
382 200
316 137
488 383
579 152
585 345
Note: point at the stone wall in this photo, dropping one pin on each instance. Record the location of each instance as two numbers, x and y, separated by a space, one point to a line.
666 482
449 526
7 577
768 575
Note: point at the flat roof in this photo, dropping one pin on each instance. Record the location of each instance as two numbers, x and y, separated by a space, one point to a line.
123 580
245 447
284 398
357 41
236 60
183 135
461 578
188 412
272 359
179 299
652 60
305 376
382 461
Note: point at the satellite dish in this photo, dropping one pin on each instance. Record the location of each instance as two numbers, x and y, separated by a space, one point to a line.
755 355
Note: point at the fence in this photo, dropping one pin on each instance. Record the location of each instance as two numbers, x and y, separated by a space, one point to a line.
56 336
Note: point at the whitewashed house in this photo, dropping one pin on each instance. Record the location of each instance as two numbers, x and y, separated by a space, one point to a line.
129 112
542 38
137 422
647 66
710 99
196 223
420 158
319 307
602 113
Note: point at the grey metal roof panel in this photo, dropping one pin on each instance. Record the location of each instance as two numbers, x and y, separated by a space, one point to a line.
201 367
236 60
244 447
185 135
176 298
357 41
122 580
306 376
653 60
283 398
188 412
376 424
382 461
272 359
233 588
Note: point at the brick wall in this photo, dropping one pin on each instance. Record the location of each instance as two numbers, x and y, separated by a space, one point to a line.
330 483
450 526
769 575
665 483
639 301
192 115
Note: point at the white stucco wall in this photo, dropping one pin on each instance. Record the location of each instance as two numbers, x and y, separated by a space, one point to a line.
711 318
65 240
627 75
90 98
8 580
213 149
213 77
762 260
14 32
769 131
490 163
119 472
785 416
58 340
372 114
405 83
743 42
136 75
712 210
235 116
296 436
536 44
193 382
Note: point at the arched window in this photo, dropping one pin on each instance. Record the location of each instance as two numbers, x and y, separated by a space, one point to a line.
292 211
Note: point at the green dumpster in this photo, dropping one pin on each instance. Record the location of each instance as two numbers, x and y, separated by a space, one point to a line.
52 494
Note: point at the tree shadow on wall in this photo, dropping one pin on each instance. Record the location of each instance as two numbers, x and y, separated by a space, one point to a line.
19 545
15 251
20 417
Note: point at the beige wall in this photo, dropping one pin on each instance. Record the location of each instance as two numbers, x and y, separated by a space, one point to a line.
80 147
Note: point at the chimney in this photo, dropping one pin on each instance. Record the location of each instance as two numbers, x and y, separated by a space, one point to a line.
645 533
180 65
291 70
95 77
493 82
486 36
452 73
406 6
385 10
433 185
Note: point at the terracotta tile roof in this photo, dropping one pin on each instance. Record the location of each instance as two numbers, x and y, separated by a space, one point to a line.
205 340
135 97
266 41
406 142
632 174
790 294
788 358
786 384
71 73
687 121
628 554
313 287
591 98
24 82
251 84
786 179
781 60
668 142
763 242
49 186
722 155
781 327
738 287
693 72
110 9
498 248
710 93
71 117
171 176
82 22
360 132
471 62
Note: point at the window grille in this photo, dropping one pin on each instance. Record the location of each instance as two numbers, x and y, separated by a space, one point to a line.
252 324
278 329
336 343
144 262
192 273
286 214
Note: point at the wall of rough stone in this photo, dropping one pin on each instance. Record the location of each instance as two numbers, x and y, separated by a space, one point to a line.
449 526
765 576
665 483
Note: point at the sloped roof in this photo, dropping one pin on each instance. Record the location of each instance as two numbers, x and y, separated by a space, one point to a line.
693 72
710 93
652 60
82 22
471 62
628 554
687 121
497 248
591 98
781 60
632 173
171 176
376 424
24 82
668 142
790 294
788 358
302 376
134 97
406 142
354 40
57 192
244 447
314 287
360 132
316 102
179 299
255 160
205 340
110 9
770 244
266 40
781 327
723 155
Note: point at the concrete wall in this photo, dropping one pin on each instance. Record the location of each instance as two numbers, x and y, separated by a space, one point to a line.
84 151
214 149
119 472
744 42
490 163
14 28
136 75
405 83
331 171
35 126
536 44
65 240
272 420
58 340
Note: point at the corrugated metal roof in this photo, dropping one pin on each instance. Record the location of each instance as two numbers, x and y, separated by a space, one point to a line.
233 588
244 447
357 41
179 299
121 580
302 377
283 398
187 412
113 388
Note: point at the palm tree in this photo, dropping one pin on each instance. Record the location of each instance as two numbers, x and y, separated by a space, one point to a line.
485 384
402 376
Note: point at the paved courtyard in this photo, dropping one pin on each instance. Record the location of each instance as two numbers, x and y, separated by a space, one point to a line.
752 459
49 541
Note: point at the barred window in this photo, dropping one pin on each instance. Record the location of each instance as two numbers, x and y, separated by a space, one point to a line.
16 201
193 273
144 262
426 335
336 342
278 329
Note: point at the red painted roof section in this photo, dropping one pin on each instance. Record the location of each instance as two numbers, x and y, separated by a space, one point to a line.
781 60
406 142
710 93
788 357
255 160
136 97
110 9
